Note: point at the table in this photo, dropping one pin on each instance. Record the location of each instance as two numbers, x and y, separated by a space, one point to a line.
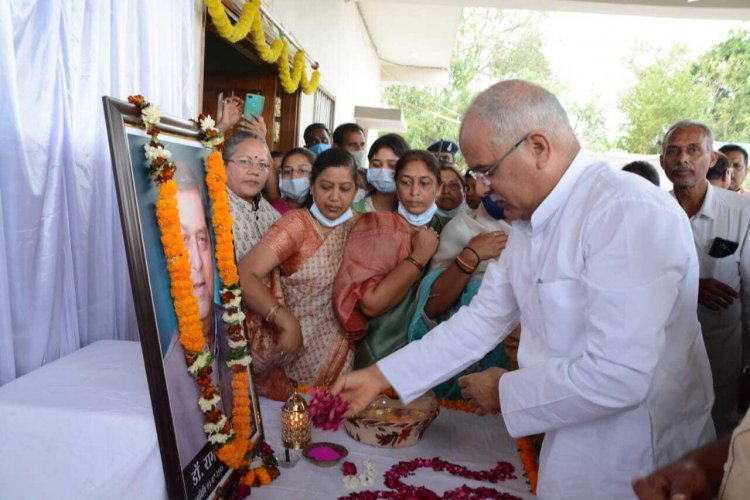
474 441
82 427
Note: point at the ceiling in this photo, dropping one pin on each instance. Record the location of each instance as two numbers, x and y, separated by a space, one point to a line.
414 39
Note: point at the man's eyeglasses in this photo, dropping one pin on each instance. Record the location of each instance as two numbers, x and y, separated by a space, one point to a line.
246 163
484 174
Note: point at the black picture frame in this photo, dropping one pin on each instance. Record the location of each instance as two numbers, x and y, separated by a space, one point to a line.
204 476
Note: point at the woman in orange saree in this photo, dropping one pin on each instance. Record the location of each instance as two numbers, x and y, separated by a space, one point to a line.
294 334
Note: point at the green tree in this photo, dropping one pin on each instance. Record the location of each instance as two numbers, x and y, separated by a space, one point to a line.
666 91
714 89
589 123
725 70
491 45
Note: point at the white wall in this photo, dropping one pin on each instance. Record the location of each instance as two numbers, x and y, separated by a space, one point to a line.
332 32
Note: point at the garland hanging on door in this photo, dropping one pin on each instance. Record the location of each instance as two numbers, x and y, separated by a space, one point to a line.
277 53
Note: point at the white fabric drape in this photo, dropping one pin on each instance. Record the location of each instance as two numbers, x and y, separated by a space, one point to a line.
63 271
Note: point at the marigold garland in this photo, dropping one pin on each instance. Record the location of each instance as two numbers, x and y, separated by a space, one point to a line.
277 53
230 439
528 458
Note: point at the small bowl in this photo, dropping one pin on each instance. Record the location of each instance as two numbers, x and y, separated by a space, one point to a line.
315 457
387 423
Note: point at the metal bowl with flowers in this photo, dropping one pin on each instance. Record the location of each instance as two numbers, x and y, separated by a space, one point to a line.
388 423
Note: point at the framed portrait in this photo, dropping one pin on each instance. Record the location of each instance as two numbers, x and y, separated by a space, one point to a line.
190 466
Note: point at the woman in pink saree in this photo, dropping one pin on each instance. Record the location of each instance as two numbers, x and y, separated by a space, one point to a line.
294 333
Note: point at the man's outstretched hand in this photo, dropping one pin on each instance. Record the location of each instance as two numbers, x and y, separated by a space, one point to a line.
359 388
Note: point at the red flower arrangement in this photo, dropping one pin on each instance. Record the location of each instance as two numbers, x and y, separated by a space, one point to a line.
326 410
402 491
349 469
526 449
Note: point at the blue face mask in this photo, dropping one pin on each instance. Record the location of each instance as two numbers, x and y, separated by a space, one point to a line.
315 211
417 219
382 179
493 209
295 189
319 148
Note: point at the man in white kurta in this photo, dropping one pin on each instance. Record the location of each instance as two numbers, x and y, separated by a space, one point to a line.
601 270
720 220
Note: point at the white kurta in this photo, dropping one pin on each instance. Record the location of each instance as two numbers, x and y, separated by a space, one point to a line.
613 368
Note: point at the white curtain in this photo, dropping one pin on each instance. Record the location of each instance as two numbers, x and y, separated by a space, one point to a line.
63 270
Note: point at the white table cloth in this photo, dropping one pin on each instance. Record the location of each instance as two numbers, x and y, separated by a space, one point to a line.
82 427
477 442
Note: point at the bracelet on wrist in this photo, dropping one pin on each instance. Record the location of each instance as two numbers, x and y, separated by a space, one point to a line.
416 263
271 314
464 267
479 259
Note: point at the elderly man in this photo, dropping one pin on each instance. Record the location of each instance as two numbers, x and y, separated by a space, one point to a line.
181 386
603 276
720 220
738 158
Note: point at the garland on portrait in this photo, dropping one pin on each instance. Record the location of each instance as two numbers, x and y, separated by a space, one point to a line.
229 437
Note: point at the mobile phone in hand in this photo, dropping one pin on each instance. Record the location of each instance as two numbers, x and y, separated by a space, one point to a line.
254 105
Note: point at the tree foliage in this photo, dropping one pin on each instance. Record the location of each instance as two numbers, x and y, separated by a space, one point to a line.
725 70
714 89
491 45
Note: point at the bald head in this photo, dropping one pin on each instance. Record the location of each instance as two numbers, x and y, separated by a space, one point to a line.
514 107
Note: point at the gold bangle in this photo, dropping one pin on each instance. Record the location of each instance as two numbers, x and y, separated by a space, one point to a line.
464 266
474 252
271 314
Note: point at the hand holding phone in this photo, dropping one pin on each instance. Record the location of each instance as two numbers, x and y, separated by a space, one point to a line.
254 105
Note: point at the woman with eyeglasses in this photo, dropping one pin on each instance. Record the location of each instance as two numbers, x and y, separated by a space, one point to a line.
386 256
248 163
294 179
288 280
383 156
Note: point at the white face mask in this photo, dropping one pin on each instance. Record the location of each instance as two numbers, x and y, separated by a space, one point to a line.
359 157
315 211
418 219
452 213
382 179
295 189
361 193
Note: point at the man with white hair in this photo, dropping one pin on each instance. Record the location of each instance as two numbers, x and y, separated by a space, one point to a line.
603 275
720 220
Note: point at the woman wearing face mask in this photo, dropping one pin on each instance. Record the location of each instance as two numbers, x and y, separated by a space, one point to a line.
248 164
386 256
383 156
294 182
294 333
469 242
